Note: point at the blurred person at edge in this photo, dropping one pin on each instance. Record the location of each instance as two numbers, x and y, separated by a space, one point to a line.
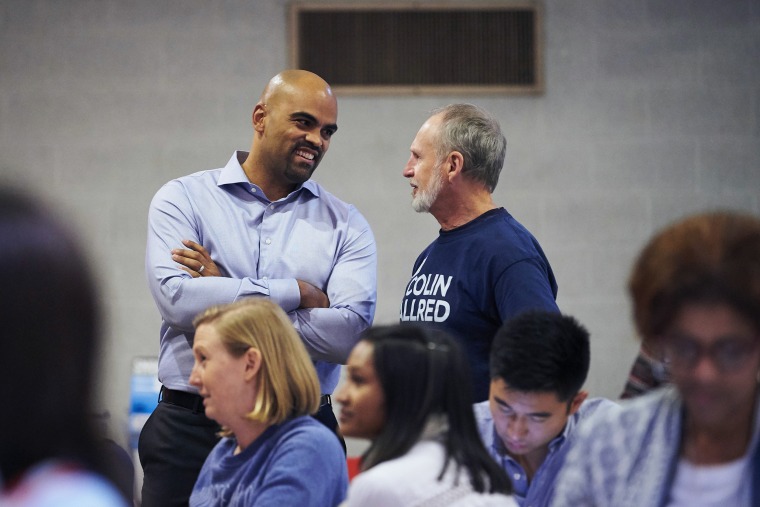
696 296
50 452
258 383
407 389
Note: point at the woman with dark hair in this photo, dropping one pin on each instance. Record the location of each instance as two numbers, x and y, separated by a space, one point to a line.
696 297
408 390
50 453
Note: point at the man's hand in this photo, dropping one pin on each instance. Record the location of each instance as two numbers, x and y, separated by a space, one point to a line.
312 297
195 261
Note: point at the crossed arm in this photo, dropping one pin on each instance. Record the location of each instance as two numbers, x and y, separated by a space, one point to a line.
185 277
196 261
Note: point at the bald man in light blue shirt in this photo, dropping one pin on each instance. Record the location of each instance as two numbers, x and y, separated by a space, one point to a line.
257 227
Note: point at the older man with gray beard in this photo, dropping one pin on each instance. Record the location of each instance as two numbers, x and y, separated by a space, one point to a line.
485 267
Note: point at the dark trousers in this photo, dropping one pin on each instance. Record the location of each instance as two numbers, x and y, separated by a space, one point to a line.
173 446
326 416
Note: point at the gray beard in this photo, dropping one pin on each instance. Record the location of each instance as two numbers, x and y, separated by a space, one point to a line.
424 199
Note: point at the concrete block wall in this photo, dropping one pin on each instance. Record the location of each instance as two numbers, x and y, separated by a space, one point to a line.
651 111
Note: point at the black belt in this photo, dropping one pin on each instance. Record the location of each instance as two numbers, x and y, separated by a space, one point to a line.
194 402
182 399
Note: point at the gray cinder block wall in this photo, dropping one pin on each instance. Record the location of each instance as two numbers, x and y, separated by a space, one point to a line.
651 111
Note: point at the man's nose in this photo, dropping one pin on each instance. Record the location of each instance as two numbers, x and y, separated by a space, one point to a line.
516 428
314 137
408 171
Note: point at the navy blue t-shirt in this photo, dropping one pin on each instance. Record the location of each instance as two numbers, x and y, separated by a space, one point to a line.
473 278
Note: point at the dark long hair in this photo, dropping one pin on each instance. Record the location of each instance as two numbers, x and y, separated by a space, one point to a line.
49 337
424 373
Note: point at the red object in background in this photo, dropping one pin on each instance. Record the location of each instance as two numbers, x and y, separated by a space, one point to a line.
354 463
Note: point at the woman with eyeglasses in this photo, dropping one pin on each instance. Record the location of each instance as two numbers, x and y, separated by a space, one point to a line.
696 298
408 390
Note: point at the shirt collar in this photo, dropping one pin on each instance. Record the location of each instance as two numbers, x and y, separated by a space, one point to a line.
233 174
554 444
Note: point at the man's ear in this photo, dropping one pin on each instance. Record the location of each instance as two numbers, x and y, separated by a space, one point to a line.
577 402
259 113
252 363
454 165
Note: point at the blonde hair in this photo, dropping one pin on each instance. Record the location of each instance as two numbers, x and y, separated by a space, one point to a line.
288 385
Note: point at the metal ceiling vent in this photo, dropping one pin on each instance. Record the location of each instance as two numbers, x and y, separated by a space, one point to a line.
372 48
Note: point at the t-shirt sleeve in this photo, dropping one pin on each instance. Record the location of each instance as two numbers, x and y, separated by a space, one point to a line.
524 286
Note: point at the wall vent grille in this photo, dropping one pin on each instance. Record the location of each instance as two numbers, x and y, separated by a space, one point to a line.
366 48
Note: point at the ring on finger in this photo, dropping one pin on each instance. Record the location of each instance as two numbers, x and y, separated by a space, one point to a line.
201 268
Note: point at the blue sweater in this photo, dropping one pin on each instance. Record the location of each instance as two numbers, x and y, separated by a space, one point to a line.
473 278
299 462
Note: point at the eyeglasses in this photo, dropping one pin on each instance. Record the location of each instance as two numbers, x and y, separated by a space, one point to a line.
727 354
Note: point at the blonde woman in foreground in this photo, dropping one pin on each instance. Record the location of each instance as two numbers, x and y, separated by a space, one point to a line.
258 383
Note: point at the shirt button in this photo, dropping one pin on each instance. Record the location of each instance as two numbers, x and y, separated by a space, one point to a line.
268 241
253 189
265 278
517 477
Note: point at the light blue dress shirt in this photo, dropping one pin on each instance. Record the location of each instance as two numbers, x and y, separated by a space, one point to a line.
539 492
261 248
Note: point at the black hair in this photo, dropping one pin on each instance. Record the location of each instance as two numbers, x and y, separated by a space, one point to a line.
50 331
541 351
424 373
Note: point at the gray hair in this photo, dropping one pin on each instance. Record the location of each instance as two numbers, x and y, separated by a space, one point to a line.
476 134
